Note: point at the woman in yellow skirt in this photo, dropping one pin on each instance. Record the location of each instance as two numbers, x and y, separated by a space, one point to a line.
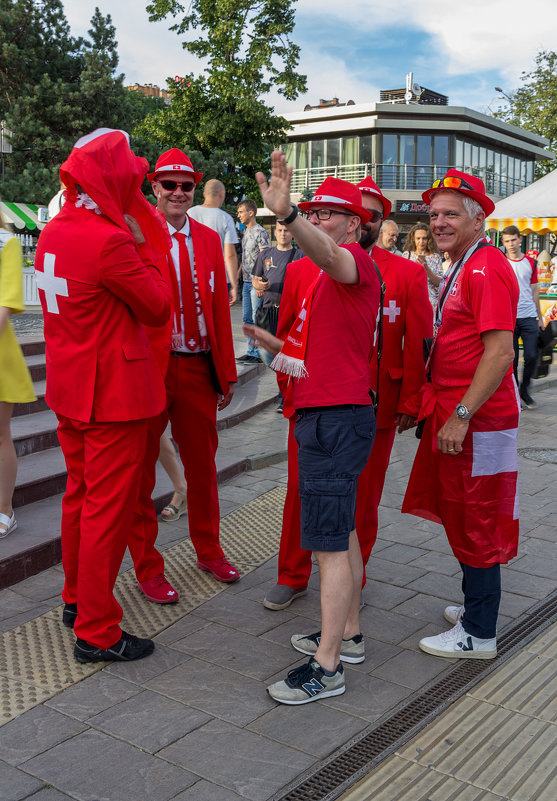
15 382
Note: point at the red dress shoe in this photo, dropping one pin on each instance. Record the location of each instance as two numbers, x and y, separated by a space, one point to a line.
158 590
221 569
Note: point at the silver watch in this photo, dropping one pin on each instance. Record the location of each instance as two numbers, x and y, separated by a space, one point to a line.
463 412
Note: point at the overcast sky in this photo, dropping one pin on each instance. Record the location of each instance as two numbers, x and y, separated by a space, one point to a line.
352 49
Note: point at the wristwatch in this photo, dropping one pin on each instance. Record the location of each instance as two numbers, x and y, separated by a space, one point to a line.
463 412
292 216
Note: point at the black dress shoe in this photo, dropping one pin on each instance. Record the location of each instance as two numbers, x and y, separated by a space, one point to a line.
126 649
69 615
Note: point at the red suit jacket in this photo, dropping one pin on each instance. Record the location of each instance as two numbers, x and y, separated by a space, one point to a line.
407 319
97 288
213 289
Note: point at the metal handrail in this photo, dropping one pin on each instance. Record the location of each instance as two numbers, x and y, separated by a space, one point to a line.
401 176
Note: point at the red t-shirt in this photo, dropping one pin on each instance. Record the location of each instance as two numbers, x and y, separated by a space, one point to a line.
483 298
341 336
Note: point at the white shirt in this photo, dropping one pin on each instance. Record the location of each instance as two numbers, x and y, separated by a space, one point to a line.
178 339
526 275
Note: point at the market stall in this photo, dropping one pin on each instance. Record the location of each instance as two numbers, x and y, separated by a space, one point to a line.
534 211
27 220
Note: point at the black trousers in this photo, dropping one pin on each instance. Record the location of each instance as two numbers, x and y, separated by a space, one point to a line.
481 587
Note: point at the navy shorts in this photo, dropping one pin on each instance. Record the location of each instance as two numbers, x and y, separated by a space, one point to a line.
334 444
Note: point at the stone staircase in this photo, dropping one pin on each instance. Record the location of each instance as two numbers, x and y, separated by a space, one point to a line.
41 478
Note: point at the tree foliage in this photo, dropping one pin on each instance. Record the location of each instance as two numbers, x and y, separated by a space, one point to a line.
220 112
534 104
53 89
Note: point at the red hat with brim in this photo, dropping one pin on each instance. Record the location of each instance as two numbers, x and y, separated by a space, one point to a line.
174 160
467 185
336 194
369 186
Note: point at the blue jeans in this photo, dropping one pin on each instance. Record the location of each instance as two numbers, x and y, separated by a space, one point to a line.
527 329
250 304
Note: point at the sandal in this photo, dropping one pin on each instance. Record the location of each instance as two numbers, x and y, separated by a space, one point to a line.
172 511
9 522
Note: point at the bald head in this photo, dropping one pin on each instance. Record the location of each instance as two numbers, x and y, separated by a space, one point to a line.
214 193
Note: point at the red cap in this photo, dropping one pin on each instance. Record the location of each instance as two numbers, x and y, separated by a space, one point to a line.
368 185
475 189
337 194
174 160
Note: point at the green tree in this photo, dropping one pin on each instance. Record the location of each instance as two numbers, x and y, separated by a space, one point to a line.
221 113
53 89
534 104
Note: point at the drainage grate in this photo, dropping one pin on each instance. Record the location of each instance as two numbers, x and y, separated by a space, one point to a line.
351 764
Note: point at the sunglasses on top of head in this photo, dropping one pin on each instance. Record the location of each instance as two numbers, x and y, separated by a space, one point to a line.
451 182
170 186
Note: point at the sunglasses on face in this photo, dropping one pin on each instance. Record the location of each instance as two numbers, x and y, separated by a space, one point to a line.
452 182
170 186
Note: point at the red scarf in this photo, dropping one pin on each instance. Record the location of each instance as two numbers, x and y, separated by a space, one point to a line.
290 360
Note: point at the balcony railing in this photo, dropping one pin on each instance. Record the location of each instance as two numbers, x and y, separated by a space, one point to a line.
401 176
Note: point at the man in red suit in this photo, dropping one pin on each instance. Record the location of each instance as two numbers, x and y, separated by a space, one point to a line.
406 321
200 375
98 284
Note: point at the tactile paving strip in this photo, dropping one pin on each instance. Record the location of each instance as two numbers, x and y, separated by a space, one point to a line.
36 659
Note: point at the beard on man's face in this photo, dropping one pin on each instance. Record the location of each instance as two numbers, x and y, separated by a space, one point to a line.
369 237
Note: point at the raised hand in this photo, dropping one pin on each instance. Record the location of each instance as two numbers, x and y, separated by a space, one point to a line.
276 193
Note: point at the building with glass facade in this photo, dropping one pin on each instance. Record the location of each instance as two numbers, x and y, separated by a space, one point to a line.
406 146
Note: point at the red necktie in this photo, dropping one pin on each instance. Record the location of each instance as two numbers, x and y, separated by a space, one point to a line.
188 308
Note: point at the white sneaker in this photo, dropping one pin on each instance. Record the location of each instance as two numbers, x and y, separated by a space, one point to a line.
456 643
453 614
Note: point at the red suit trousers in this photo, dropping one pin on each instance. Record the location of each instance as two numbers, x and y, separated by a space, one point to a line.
104 463
192 408
294 563
143 534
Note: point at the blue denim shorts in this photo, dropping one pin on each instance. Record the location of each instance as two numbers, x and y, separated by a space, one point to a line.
334 444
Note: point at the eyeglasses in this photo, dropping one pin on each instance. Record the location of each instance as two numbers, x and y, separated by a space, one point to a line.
325 214
452 182
170 186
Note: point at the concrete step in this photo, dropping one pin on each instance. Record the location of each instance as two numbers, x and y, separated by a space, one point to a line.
36 365
41 466
39 405
31 346
35 432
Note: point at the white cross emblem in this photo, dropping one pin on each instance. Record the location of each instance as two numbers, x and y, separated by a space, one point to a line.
212 281
50 284
392 312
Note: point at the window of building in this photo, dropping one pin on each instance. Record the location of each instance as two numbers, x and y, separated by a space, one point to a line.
318 153
290 152
333 152
365 156
302 155
350 150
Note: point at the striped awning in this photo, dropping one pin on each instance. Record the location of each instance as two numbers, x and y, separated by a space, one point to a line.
24 216
526 225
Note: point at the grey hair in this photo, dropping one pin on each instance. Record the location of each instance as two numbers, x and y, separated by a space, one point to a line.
472 206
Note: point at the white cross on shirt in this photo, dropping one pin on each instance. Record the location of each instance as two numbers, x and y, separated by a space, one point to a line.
50 284
392 312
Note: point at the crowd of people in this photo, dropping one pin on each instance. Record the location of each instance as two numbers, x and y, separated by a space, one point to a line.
136 303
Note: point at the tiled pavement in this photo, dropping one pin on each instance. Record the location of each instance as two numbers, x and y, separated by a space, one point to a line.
193 721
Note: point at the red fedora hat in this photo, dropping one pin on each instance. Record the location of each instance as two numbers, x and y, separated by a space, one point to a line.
174 160
368 185
336 194
468 185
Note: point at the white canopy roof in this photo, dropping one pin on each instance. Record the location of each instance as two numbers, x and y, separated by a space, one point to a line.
532 210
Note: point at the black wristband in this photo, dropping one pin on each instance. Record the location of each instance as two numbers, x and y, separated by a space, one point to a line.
291 217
